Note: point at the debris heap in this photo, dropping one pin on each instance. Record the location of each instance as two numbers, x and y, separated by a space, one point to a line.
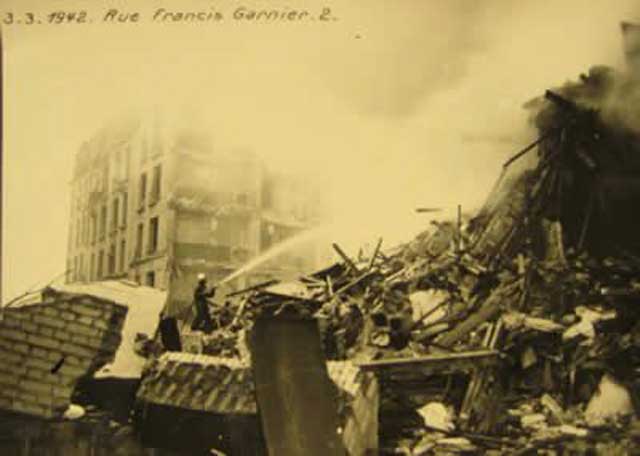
517 329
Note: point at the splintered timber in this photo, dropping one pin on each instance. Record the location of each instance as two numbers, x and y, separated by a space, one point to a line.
241 13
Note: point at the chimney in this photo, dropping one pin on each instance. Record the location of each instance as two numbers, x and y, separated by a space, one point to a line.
631 43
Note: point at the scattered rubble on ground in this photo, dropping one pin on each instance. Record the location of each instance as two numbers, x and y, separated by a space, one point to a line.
545 277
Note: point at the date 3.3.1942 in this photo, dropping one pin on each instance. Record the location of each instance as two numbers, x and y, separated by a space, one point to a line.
55 17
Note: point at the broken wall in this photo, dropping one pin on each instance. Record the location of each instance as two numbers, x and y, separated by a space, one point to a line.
46 348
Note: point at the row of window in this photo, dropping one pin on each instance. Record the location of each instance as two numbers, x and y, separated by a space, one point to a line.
97 268
115 262
152 241
93 226
154 195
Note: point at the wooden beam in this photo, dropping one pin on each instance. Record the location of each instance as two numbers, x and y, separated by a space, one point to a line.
375 254
449 361
354 282
345 258
488 310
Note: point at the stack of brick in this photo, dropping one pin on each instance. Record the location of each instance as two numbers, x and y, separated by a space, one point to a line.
47 347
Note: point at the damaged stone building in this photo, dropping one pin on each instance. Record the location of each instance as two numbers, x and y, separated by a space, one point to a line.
147 199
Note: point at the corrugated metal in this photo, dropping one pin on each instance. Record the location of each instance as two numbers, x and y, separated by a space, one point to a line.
199 382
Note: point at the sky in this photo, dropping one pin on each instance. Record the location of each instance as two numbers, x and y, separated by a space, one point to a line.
392 106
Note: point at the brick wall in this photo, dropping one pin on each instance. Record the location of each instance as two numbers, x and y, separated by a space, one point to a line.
46 348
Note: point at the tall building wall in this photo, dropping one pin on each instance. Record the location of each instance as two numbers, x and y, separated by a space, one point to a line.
100 221
159 207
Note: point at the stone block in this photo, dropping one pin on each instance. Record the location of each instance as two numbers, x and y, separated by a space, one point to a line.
15 368
10 358
72 371
81 362
63 305
50 311
18 395
84 330
47 332
67 315
37 363
40 352
20 314
89 309
21 347
69 348
10 321
5 344
62 392
101 324
34 386
63 334
14 334
86 341
66 381
44 342
52 322
85 320
28 325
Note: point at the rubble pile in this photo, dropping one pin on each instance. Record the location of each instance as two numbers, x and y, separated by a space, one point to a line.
545 278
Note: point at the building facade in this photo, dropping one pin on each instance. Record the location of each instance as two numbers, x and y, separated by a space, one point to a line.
158 207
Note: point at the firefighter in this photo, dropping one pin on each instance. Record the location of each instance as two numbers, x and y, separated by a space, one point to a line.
202 322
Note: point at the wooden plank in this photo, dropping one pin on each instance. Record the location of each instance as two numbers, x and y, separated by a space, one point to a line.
375 255
448 362
349 262
489 310
355 282
479 378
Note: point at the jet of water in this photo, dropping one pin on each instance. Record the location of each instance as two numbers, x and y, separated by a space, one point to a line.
274 251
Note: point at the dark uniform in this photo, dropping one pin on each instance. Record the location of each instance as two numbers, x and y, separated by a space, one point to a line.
203 319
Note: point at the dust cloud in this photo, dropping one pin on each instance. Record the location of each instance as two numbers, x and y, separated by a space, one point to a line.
396 105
